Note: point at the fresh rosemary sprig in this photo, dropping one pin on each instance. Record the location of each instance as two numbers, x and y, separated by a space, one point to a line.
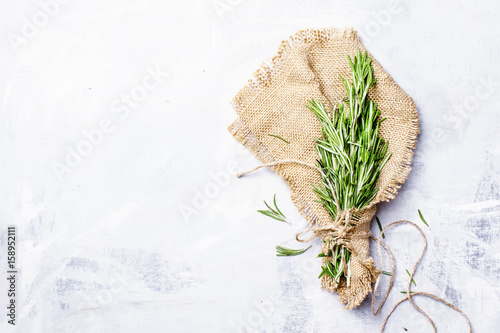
275 212
351 154
284 251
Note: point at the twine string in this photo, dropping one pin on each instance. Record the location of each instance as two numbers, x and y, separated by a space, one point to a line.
409 293
342 231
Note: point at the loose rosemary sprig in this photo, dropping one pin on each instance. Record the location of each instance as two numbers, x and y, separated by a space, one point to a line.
284 251
275 212
351 153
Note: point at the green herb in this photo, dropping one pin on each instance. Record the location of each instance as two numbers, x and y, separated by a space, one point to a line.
279 137
380 226
335 272
422 218
387 273
284 251
275 212
351 154
321 255
404 292
414 283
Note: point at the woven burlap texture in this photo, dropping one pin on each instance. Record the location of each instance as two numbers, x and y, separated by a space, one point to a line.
308 66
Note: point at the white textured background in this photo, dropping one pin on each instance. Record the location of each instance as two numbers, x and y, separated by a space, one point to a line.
103 245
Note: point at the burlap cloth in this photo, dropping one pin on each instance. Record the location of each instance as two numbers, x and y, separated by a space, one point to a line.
308 66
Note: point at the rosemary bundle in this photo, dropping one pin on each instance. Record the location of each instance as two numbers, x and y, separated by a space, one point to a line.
351 157
274 124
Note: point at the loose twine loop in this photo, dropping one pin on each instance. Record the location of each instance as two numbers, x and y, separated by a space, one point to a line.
409 293
341 231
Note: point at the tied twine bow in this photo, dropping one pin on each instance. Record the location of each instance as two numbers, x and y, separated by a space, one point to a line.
341 231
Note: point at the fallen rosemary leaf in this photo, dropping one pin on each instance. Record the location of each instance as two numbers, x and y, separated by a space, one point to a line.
422 218
274 213
380 226
404 292
284 251
414 283
387 273
279 137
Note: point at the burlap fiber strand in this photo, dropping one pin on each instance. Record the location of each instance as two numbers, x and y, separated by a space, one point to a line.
308 66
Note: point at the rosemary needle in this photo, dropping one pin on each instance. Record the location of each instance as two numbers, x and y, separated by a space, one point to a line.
279 137
387 273
380 226
284 251
414 283
274 213
422 218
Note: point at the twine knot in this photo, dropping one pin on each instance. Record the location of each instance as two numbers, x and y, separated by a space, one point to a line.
340 231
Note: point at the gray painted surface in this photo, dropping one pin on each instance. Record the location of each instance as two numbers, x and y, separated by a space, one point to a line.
103 245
